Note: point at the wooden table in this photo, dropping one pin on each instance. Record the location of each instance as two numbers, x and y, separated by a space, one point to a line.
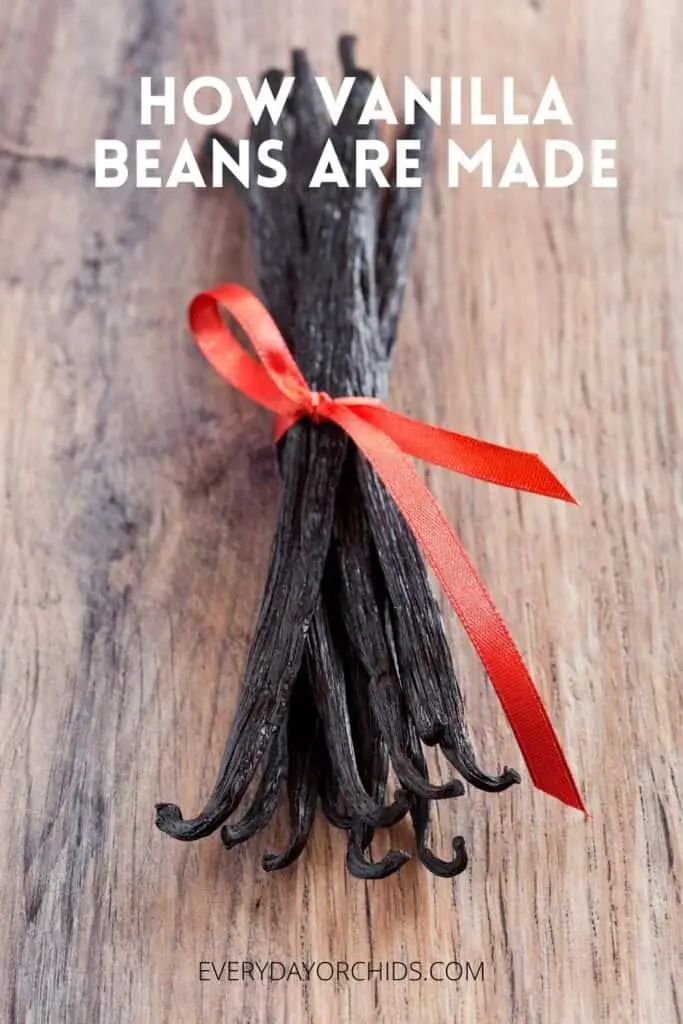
138 506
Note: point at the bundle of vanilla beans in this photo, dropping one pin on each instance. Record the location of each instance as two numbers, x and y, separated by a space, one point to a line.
349 672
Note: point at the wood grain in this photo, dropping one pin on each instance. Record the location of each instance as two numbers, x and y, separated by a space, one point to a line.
138 506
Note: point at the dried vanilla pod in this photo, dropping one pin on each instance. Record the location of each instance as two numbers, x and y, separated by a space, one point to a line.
349 671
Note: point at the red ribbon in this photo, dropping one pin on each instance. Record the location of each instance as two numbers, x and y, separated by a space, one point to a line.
386 439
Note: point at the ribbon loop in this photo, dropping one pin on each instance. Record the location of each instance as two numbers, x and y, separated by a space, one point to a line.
387 438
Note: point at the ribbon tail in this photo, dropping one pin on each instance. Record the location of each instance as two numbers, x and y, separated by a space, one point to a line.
474 606
508 467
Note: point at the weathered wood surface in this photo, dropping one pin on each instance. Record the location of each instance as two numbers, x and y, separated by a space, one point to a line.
139 500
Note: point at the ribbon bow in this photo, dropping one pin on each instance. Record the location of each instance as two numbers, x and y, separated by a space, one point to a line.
387 438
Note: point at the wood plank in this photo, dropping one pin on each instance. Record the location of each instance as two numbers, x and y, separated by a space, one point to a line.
138 507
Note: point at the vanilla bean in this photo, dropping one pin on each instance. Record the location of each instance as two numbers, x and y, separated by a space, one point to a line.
349 671
302 539
303 775
328 684
425 665
266 798
369 745
373 758
395 239
359 582
331 800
